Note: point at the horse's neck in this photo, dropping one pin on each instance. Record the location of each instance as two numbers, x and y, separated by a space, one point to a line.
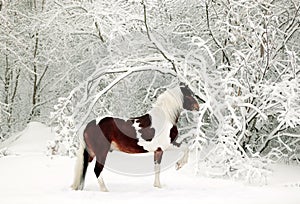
163 116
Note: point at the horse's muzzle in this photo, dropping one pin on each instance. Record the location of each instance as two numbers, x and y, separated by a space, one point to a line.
196 107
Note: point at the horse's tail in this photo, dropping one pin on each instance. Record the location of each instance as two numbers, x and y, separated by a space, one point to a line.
81 165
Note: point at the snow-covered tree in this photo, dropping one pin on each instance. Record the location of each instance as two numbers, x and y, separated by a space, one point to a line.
255 51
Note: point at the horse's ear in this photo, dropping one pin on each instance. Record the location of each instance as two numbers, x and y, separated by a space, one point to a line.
185 89
181 84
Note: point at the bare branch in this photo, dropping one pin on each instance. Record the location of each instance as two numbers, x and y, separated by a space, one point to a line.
158 46
212 35
99 32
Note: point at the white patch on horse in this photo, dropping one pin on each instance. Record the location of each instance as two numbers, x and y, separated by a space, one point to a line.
184 159
137 128
102 184
114 146
164 115
157 177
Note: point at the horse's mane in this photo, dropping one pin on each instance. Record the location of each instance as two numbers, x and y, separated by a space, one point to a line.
171 103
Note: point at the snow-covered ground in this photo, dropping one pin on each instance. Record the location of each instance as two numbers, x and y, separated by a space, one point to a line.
28 176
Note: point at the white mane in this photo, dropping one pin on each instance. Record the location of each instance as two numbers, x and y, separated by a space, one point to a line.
171 103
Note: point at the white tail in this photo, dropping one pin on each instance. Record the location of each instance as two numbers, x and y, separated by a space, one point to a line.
78 174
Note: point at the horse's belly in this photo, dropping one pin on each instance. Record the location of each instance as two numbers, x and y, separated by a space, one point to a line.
128 146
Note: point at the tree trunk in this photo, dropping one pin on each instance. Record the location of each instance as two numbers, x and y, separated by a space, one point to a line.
34 111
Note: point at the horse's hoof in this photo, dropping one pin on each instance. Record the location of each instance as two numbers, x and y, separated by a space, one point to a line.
157 186
104 190
178 166
76 188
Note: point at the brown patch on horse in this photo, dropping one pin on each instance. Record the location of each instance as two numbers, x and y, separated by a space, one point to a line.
158 156
173 133
147 133
122 134
144 121
94 138
189 103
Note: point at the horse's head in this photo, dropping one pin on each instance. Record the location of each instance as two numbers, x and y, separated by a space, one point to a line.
189 102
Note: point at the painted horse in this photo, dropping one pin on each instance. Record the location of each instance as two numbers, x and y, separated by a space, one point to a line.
154 132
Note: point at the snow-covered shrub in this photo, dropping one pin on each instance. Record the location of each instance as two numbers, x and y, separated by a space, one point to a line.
66 141
280 101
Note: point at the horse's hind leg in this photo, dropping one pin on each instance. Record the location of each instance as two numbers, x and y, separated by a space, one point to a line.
98 169
101 157
157 160
99 145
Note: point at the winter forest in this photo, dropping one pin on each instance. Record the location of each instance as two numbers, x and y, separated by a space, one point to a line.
64 63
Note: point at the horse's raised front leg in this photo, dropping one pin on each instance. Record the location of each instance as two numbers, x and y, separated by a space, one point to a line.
157 160
184 159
